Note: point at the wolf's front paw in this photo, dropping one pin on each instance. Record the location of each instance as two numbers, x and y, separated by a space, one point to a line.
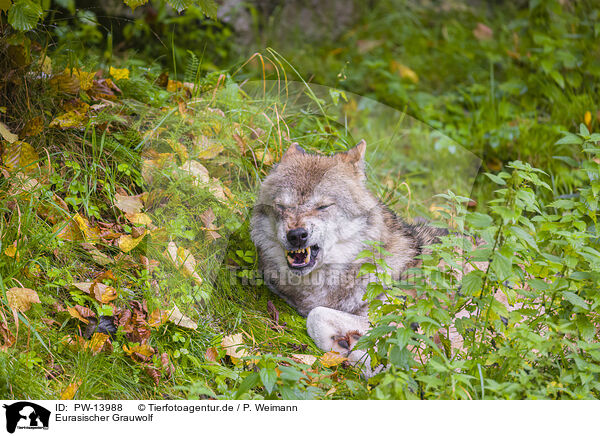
344 344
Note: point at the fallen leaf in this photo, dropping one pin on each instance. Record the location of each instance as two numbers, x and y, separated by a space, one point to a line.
176 317
7 134
128 242
140 218
11 250
179 149
208 219
98 342
99 291
21 298
119 73
131 204
81 313
483 32
233 345
184 260
71 390
69 120
196 170
331 358
404 72
20 155
157 318
33 127
204 148
153 373
144 350
306 359
86 79
211 354
8 339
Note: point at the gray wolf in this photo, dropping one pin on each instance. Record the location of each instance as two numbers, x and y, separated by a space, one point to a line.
312 218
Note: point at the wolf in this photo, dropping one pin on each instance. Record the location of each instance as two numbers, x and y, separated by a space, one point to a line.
313 216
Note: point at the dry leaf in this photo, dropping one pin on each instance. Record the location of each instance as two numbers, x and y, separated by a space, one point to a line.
144 350
179 319
97 342
196 170
86 79
33 127
184 260
81 313
483 32
7 134
99 291
71 390
20 155
69 120
331 358
21 298
204 148
211 354
233 345
11 250
131 204
8 339
128 242
157 318
307 359
404 72
208 219
141 219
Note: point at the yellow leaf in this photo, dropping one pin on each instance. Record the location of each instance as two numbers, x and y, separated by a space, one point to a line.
405 72
11 250
141 219
119 73
7 134
21 298
91 234
184 260
70 391
69 120
33 127
128 242
233 345
75 314
307 359
131 204
180 149
204 148
20 155
99 291
97 342
143 349
157 318
86 80
331 358
176 317
587 118
196 170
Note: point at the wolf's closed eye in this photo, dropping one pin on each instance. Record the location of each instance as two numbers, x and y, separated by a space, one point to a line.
324 206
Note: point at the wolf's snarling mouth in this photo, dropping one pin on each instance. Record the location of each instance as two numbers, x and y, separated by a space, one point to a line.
303 258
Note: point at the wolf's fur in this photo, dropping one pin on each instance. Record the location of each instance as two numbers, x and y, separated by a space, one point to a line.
329 293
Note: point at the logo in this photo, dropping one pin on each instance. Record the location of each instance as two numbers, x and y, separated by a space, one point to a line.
26 415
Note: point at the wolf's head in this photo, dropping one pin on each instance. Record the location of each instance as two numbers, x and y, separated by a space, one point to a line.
313 210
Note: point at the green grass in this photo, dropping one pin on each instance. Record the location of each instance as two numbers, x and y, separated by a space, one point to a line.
473 103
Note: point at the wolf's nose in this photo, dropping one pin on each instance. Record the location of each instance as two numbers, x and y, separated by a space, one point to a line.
297 237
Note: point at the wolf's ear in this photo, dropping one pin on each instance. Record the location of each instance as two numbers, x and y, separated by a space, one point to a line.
356 155
293 151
